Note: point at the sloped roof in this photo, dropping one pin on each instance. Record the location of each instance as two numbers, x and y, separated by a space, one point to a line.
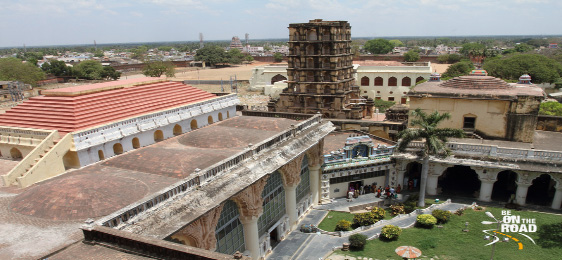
77 108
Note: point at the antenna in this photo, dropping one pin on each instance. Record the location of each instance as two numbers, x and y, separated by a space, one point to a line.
95 46
201 40
247 38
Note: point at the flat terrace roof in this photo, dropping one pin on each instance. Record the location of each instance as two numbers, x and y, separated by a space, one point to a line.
543 140
336 140
54 209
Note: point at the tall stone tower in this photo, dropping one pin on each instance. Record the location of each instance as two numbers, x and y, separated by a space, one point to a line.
321 72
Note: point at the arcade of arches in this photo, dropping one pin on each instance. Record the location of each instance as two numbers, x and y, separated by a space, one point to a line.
262 214
486 184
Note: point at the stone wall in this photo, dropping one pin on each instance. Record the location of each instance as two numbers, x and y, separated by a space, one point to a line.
549 123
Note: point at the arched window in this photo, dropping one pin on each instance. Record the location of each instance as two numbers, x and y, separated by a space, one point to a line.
100 155
311 36
210 120
158 136
229 231
406 81
193 124
393 82
303 188
15 153
365 81
378 81
117 149
136 143
220 116
418 79
178 130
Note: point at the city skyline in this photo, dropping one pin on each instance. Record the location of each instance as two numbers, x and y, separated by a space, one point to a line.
67 22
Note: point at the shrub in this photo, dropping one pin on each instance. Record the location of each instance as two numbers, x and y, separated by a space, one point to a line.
459 212
426 221
409 206
397 209
364 219
378 213
550 235
357 241
343 225
390 232
442 216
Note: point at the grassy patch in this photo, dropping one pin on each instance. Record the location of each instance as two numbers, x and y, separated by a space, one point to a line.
450 242
331 220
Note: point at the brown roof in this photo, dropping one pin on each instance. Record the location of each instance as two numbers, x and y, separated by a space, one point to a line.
485 87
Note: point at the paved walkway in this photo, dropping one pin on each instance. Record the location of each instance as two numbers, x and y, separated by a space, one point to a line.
301 246
341 204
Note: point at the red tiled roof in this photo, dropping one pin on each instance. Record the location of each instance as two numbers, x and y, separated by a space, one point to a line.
72 113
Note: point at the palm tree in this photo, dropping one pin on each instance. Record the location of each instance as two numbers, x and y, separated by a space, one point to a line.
425 127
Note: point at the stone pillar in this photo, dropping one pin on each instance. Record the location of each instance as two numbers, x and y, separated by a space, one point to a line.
557 198
291 174
251 235
521 193
486 188
315 161
432 185
250 206
315 183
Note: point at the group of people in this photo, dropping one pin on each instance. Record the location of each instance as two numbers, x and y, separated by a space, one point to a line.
356 189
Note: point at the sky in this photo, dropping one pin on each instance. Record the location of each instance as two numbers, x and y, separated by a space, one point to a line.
64 22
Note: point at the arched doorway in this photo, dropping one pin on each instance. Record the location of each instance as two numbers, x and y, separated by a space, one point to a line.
100 155
459 180
541 191
158 136
412 176
210 120
177 130
117 149
136 143
193 124
220 116
504 186
277 78
15 153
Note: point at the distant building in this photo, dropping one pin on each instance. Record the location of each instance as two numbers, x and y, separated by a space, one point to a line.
484 105
236 44
390 80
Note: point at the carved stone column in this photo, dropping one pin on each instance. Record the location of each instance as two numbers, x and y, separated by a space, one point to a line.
250 206
315 161
435 170
201 232
487 179
523 182
291 174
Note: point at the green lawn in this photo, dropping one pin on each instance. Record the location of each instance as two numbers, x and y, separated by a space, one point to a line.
450 242
331 220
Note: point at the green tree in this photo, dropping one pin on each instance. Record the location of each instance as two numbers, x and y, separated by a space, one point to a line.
57 68
411 56
109 72
383 105
13 69
550 108
459 69
435 139
89 69
139 52
473 49
278 57
540 68
523 47
378 46
249 58
211 55
98 53
235 56
397 43
159 68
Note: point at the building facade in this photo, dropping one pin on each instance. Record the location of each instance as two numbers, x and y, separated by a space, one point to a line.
390 80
